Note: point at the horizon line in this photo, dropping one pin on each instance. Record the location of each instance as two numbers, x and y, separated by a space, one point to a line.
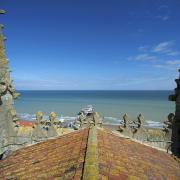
94 89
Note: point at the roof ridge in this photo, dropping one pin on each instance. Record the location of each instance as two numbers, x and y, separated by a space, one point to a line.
91 167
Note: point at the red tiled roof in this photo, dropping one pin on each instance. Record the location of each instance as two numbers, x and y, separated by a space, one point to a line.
121 158
26 123
62 157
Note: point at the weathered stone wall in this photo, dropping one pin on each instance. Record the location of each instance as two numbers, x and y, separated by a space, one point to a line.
135 129
7 96
176 123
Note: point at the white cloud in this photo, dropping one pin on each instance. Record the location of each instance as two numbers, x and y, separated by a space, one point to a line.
165 47
143 48
163 7
160 66
164 13
144 57
173 62
158 55
164 18
173 53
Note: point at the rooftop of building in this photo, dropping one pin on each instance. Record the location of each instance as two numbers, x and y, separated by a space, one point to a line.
26 123
60 157
65 157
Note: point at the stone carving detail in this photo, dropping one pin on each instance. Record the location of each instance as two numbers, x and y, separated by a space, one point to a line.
140 121
52 117
168 123
54 121
39 117
7 96
39 132
13 115
7 91
125 123
129 125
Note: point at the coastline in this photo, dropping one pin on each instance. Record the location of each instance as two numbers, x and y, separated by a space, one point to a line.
111 105
68 120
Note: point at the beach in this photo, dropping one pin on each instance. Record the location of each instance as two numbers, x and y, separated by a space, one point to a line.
111 105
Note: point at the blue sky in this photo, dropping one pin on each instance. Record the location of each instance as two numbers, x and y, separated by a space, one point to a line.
93 44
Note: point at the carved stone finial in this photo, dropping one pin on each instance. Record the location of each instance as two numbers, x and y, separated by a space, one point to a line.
52 116
39 117
14 115
140 121
124 123
168 123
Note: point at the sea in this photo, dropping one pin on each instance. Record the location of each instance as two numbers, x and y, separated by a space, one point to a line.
111 105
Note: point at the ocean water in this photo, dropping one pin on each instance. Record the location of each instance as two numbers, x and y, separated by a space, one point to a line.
154 105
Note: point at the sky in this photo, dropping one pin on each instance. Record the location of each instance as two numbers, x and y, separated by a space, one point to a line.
92 44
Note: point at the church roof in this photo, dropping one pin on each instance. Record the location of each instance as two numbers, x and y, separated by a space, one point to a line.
121 158
62 157
66 157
